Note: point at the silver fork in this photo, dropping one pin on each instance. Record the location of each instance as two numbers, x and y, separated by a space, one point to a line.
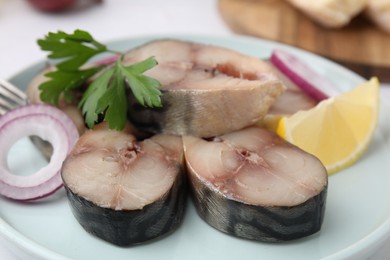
10 97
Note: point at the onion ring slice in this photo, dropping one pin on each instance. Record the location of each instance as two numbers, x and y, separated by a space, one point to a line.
50 124
302 74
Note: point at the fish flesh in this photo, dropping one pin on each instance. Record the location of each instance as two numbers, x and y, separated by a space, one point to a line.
206 90
292 100
252 184
245 180
123 190
200 83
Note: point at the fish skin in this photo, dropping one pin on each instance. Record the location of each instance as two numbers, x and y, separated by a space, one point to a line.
132 227
188 113
125 221
265 219
206 90
259 223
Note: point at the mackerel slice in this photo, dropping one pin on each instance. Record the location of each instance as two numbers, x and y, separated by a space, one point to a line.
125 191
252 184
206 90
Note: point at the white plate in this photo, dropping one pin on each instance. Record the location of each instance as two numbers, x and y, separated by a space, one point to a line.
356 218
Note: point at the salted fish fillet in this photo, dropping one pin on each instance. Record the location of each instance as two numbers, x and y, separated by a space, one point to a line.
254 185
125 191
207 90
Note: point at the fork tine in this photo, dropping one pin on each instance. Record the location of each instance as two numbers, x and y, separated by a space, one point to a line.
6 105
10 93
10 97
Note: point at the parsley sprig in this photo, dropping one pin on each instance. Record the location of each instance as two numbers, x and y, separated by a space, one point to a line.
106 95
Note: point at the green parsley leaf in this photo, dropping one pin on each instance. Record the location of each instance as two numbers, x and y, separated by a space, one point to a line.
89 101
114 102
76 48
145 89
63 82
106 95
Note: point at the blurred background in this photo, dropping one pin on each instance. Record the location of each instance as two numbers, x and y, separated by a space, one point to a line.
354 33
361 45
22 23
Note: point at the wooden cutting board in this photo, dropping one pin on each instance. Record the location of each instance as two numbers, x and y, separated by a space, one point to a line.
361 46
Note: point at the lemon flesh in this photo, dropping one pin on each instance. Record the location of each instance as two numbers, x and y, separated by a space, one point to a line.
337 130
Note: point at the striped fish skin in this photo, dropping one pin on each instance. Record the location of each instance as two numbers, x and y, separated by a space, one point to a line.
132 227
206 90
252 184
260 223
126 191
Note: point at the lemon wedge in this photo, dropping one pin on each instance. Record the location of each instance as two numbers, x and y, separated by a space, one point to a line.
337 130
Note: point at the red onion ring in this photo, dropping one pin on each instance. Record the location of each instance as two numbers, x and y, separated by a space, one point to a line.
299 72
49 123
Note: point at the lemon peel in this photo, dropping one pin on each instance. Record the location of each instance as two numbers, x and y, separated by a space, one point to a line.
338 130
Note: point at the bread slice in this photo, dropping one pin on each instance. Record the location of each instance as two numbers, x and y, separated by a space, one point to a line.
330 13
379 12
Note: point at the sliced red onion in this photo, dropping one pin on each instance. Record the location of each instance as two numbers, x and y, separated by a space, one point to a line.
48 123
299 72
32 193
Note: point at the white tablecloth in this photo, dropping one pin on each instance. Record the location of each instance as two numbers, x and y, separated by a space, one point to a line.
21 25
